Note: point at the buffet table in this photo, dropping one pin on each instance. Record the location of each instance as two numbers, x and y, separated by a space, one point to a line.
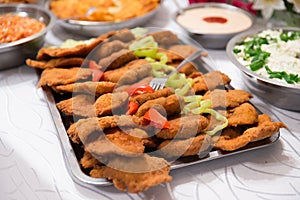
32 164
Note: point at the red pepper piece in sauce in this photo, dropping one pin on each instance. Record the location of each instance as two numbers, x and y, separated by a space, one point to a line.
215 19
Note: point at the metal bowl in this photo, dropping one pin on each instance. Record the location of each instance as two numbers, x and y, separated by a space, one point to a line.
15 53
280 94
95 28
204 37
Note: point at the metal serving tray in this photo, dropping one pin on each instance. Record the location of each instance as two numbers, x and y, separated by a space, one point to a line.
79 176
70 150
77 173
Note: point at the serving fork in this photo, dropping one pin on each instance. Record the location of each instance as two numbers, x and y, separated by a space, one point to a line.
159 82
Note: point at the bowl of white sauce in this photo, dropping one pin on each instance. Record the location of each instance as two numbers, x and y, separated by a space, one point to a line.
269 60
214 24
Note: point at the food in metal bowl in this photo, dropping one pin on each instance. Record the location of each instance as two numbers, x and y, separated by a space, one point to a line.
103 10
213 24
26 26
273 54
269 60
91 20
15 27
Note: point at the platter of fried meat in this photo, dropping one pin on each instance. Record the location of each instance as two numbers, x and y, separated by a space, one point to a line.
125 133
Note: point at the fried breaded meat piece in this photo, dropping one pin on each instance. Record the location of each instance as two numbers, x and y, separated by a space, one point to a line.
60 76
117 74
78 105
184 127
85 127
88 161
171 105
244 114
87 87
110 103
117 142
210 81
56 62
185 147
265 128
134 174
81 50
227 98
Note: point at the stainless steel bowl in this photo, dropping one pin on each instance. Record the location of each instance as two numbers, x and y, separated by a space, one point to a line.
15 53
278 93
212 40
95 28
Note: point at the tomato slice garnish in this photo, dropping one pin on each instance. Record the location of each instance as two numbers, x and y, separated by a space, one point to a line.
132 108
97 73
156 119
139 88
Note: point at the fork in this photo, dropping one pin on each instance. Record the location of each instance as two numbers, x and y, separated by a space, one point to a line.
159 83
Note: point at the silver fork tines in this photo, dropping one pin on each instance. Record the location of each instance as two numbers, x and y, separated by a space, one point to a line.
159 83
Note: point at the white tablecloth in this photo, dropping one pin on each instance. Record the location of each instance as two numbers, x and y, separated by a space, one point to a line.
32 165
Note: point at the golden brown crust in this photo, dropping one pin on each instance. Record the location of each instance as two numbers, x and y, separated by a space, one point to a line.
117 74
88 87
187 147
85 127
142 98
115 143
153 172
184 127
88 161
81 50
244 114
60 76
264 129
56 62
117 59
210 81
227 98
171 105
108 103
79 105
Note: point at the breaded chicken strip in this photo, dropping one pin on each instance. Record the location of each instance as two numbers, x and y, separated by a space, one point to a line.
165 38
135 174
117 143
265 128
78 105
88 161
110 103
85 127
60 76
56 62
108 47
244 114
171 105
227 98
187 147
184 127
182 50
132 72
142 98
87 87
210 81
116 60
81 50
